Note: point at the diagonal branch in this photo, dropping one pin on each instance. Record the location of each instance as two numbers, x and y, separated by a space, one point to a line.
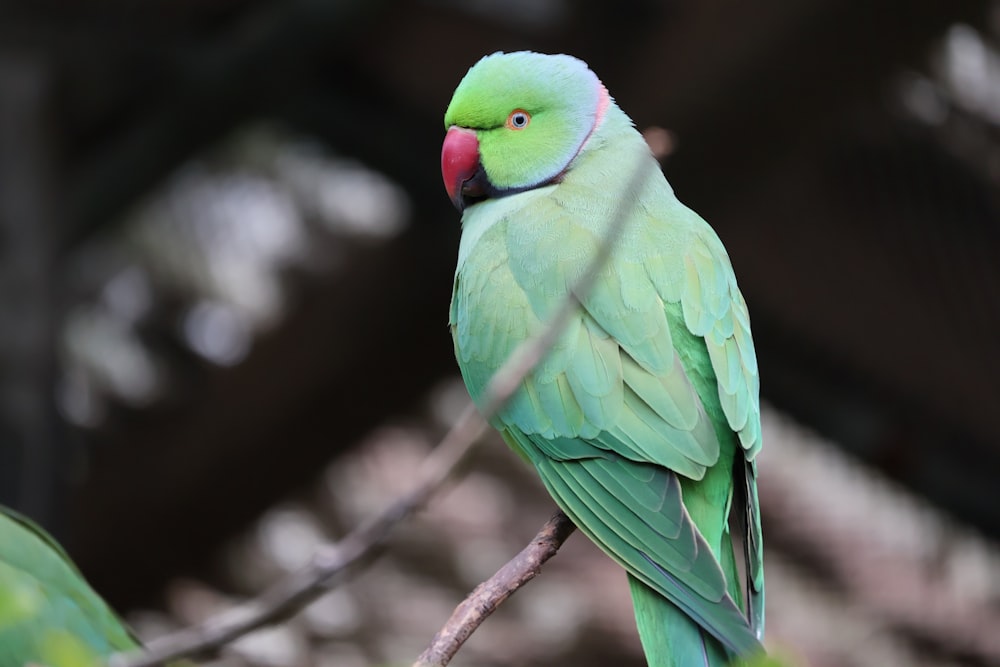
330 563
490 594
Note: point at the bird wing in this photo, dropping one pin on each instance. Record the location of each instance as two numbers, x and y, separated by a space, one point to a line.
612 416
48 595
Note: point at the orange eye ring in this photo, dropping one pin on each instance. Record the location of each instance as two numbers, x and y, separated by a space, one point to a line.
518 119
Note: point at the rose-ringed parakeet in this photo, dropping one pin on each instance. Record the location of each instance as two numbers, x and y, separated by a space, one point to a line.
49 615
643 420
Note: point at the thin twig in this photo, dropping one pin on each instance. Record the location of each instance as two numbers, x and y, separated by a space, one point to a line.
330 562
490 594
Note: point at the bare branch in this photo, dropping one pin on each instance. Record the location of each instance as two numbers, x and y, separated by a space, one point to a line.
490 594
331 562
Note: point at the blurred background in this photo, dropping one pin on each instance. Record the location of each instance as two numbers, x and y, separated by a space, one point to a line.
226 260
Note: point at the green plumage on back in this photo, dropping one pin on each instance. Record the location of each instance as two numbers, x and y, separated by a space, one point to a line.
49 615
643 421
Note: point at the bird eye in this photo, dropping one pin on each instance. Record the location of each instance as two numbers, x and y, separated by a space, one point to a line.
518 119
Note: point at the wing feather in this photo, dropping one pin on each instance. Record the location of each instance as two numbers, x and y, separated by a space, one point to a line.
654 538
714 308
639 390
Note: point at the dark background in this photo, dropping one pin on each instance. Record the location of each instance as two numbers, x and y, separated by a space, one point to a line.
193 327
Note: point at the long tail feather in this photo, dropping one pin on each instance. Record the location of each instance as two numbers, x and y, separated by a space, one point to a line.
670 638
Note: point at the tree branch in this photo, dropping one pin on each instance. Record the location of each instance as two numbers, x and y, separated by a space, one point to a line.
490 594
331 562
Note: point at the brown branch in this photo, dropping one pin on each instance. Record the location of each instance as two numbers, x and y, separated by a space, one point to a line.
327 568
330 562
490 594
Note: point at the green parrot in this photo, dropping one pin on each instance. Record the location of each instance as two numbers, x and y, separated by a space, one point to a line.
49 615
643 420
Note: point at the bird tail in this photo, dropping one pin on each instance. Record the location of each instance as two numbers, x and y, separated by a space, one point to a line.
670 638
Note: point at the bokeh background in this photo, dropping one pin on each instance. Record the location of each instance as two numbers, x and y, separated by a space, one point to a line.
225 264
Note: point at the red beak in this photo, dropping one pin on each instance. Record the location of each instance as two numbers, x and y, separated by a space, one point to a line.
460 165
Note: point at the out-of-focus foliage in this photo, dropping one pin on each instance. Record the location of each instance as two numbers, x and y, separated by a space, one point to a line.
20 601
62 649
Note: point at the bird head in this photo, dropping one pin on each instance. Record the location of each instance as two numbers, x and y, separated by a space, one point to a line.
516 122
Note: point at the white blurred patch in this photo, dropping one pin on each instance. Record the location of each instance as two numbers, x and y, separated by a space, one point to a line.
335 614
343 195
129 294
289 536
448 400
223 243
218 333
970 68
923 98
114 358
275 646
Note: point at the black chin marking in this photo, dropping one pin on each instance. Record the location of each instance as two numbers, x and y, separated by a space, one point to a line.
468 201
479 188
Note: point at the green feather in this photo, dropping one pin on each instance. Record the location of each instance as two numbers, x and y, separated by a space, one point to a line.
596 378
644 419
662 624
48 603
